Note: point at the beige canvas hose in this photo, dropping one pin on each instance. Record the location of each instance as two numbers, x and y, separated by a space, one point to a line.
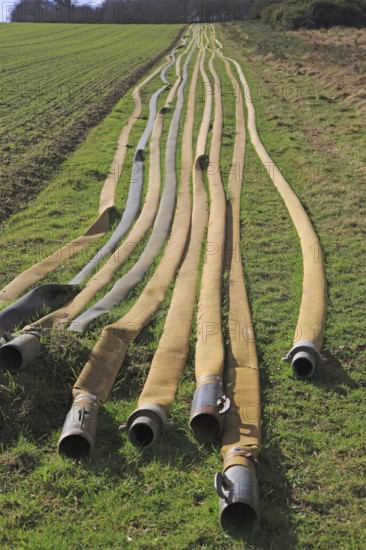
98 375
101 225
208 402
150 418
237 485
305 354
14 354
161 227
63 316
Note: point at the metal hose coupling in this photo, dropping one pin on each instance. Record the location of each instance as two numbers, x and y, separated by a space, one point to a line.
238 490
304 358
20 350
208 408
145 425
80 428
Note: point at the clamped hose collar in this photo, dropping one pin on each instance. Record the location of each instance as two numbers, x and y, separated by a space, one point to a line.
208 408
238 490
80 428
19 350
304 358
145 425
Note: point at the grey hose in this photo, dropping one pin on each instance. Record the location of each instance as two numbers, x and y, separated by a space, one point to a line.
56 295
136 185
34 301
160 230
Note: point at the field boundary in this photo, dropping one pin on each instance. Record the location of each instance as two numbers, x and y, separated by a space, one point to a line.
32 175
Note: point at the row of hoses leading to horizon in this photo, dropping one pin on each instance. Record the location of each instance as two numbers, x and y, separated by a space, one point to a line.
237 487
96 380
213 415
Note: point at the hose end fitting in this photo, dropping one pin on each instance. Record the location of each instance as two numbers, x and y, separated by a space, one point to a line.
238 490
80 428
304 358
145 425
20 351
208 408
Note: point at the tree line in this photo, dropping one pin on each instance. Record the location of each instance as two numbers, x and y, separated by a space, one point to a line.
136 11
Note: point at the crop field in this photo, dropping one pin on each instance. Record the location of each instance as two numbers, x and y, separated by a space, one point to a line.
55 83
205 183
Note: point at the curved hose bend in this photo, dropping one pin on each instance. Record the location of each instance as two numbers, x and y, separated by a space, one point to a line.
312 314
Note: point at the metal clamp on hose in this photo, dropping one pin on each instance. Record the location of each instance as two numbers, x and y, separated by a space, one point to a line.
80 428
145 425
208 408
20 351
238 490
240 452
304 358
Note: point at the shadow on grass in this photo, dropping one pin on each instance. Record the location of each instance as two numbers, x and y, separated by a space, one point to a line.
275 529
39 398
332 377
35 400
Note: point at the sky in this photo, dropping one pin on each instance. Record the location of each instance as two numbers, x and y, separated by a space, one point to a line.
6 7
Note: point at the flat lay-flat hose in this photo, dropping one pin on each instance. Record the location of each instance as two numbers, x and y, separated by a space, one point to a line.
305 355
150 418
160 230
54 295
101 225
208 402
47 295
98 375
63 316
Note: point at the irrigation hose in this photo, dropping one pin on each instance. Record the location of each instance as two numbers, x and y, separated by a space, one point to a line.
95 382
162 224
209 403
136 185
63 316
57 295
101 225
237 486
149 420
305 356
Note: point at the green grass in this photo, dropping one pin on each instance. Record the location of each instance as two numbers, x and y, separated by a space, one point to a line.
57 81
136 498
312 465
